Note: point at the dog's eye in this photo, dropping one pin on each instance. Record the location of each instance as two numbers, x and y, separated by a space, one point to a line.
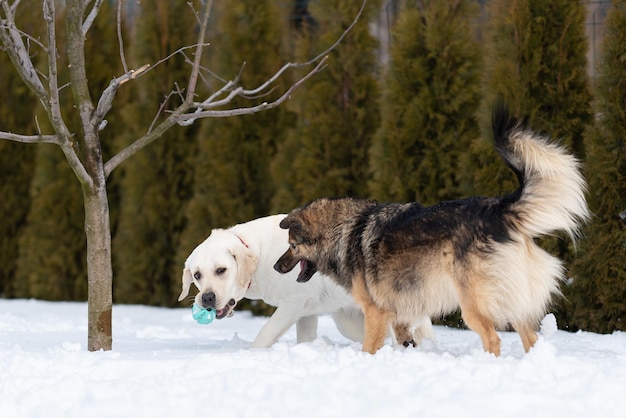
292 245
197 275
220 271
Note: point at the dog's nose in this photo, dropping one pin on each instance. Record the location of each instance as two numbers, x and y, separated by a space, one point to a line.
208 300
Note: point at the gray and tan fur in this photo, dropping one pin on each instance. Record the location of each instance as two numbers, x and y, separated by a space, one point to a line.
405 262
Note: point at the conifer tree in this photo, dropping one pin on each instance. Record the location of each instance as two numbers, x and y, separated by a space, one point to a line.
16 163
598 288
51 263
232 182
325 154
431 94
16 169
156 185
535 60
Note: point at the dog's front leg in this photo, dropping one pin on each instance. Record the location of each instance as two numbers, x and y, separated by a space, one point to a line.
376 320
403 335
376 324
281 320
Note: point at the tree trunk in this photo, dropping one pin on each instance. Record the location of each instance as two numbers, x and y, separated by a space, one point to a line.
99 267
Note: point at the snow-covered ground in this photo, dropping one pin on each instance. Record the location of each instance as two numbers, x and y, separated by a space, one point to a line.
163 364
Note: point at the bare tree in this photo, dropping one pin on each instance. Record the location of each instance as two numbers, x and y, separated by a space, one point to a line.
83 149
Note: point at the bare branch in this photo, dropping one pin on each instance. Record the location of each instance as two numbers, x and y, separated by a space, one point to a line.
30 139
54 112
15 4
209 104
65 140
252 109
140 143
193 10
119 35
92 16
180 116
161 108
106 99
12 41
178 51
311 61
27 36
170 121
343 35
195 69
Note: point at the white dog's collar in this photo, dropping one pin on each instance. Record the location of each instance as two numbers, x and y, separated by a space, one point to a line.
242 241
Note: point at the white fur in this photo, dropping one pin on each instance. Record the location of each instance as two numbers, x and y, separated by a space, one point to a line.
249 273
553 197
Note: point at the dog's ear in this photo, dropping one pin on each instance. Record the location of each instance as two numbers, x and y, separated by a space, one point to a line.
293 224
187 280
246 264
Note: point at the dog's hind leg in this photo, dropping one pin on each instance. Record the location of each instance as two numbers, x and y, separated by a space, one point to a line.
527 334
350 323
376 320
403 335
306 329
482 325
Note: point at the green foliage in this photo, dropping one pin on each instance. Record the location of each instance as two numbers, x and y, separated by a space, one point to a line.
52 253
431 94
325 153
232 182
536 61
598 291
16 161
155 184
52 264
337 136
16 171
16 168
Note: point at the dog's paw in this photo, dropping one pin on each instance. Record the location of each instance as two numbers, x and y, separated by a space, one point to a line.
408 343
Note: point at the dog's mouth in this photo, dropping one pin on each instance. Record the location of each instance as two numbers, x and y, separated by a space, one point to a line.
307 270
226 310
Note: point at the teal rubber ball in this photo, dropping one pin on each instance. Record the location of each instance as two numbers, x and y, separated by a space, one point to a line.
202 315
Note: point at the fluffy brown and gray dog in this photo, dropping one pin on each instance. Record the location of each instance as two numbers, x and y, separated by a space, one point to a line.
404 262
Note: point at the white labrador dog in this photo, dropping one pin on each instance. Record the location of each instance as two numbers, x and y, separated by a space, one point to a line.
238 262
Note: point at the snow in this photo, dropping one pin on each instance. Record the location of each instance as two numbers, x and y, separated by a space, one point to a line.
163 364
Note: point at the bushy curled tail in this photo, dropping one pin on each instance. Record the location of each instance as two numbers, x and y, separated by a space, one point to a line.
552 189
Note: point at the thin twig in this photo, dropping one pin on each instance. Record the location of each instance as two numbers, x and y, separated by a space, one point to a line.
161 107
179 116
29 37
119 35
311 61
182 119
207 104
